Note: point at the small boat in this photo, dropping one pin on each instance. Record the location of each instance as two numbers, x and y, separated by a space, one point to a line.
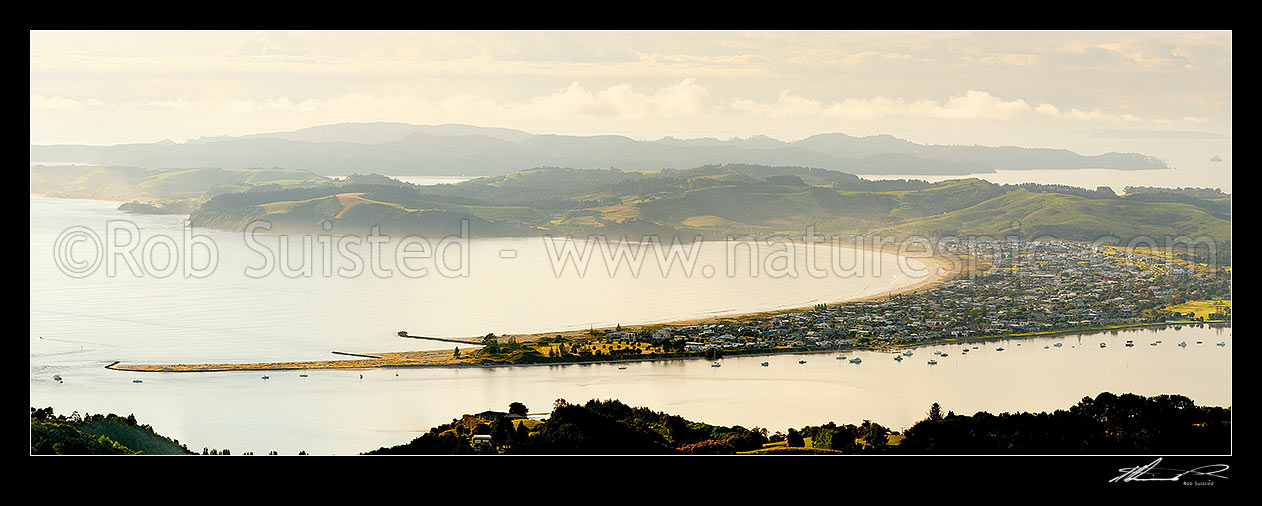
965 350
1158 341
841 357
856 360
623 368
1058 345
264 377
1183 344
1152 344
765 364
1130 344
933 362
907 353
801 361
898 358
937 353
1018 344
999 348
137 381
57 378
974 347
1200 342
944 354
1102 345
1220 343
302 375
1046 348
716 364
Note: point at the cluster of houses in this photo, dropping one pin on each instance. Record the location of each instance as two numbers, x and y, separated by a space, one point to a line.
1028 287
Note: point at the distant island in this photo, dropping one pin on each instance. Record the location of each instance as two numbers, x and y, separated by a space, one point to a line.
445 150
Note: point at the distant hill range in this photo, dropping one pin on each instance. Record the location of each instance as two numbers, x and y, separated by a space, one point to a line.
419 150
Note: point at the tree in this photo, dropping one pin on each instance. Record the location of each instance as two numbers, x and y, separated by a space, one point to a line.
795 439
935 412
518 408
501 432
457 354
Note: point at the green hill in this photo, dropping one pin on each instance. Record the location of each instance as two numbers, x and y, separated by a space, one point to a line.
1029 215
96 435
714 201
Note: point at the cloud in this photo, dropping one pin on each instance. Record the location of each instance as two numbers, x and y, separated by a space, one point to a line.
686 99
972 105
267 44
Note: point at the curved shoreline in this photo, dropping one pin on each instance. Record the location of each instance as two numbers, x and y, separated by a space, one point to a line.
941 269
433 359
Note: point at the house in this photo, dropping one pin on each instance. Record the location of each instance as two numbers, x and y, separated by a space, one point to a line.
496 415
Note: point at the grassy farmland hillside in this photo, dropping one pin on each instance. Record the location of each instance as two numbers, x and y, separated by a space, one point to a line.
721 201
713 201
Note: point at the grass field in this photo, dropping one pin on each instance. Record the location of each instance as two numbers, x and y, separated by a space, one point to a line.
1201 308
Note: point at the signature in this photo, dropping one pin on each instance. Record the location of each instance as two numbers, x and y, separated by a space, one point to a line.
1151 472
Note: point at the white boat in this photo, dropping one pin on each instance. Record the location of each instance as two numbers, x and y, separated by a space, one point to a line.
264 377
1220 343
933 362
898 358
623 368
1102 345
999 348
1183 344
765 364
716 364
907 353
302 375
944 354
1046 347
937 353
801 361
856 360
964 350
841 357
1058 345
57 377
137 381
974 347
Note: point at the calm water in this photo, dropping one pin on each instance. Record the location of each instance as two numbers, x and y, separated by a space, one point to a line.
78 325
338 412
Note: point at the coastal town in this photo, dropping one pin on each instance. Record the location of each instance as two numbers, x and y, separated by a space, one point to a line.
1003 289
1010 289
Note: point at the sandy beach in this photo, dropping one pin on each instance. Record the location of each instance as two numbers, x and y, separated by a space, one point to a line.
942 267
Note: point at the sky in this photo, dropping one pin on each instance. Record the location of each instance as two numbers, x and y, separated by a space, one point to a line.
1090 91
